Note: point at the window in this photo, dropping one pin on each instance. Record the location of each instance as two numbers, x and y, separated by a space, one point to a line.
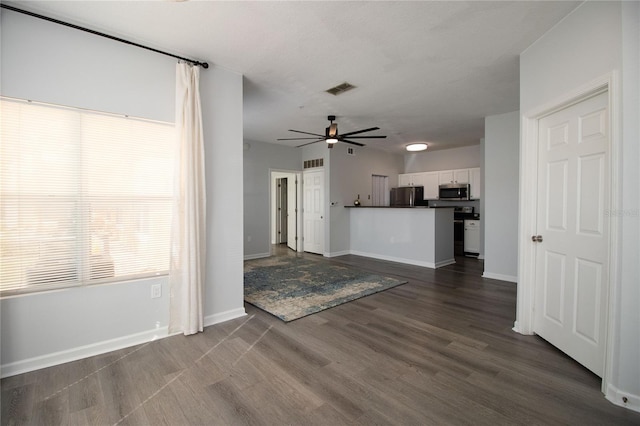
85 197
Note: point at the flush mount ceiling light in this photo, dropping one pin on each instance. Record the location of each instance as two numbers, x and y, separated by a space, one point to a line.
417 147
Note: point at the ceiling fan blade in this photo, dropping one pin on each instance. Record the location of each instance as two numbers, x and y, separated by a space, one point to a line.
307 133
367 137
360 131
351 142
309 143
294 139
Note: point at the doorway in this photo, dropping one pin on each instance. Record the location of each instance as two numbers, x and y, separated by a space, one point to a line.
282 210
286 209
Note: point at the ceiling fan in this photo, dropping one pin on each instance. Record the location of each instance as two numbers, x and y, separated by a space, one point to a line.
331 135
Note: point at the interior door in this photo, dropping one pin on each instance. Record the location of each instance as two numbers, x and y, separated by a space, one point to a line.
313 187
572 241
292 209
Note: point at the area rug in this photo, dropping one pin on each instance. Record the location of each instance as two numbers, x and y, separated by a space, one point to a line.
292 287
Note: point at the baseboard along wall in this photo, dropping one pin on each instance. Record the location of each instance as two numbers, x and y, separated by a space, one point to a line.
80 352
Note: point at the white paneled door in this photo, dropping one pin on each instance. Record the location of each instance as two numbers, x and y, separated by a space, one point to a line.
572 238
313 187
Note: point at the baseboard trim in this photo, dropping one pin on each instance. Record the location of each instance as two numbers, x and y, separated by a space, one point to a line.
623 399
256 256
224 316
337 253
80 352
519 330
394 259
501 277
445 263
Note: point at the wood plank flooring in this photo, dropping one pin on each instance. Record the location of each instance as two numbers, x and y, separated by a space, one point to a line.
438 350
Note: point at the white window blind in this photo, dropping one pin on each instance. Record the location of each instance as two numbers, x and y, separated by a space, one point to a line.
85 197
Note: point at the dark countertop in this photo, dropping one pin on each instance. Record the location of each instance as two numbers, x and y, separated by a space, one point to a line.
395 207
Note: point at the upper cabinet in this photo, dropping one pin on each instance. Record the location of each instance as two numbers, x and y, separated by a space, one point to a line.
454 176
446 176
409 179
474 183
432 180
461 176
431 185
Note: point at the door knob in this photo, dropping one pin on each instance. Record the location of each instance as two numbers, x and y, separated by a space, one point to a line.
536 238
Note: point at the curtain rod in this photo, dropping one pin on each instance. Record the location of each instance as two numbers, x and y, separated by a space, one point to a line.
66 24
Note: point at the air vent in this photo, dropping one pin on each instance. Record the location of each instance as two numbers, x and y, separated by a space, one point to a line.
309 164
341 88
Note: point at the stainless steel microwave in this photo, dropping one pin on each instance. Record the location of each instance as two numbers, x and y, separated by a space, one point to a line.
454 191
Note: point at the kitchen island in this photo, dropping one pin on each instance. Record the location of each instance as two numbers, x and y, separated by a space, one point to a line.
420 236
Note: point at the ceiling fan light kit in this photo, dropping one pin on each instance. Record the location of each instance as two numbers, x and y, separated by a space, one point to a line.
331 135
415 147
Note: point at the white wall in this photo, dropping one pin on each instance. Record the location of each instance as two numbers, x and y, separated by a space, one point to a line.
500 197
350 177
259 159
445 159
50 63
598 38
221 94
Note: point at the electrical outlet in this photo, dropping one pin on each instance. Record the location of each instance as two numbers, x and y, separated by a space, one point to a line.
156 291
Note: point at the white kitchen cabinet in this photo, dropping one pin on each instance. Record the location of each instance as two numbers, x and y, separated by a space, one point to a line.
411 179
472 237
454 176
461 176
406 179
445 176
432 180
431 185
475 183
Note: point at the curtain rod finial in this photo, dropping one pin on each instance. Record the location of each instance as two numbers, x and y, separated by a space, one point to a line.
205 65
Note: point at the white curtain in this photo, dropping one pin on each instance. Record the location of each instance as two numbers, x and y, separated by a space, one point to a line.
188 234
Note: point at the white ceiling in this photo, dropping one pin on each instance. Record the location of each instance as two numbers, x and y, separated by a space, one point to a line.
424 71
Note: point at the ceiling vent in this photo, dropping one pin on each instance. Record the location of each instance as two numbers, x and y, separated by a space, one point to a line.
341 88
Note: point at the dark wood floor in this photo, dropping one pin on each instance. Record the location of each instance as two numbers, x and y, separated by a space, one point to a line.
438 350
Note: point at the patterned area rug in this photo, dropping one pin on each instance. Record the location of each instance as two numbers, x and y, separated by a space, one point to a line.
291 288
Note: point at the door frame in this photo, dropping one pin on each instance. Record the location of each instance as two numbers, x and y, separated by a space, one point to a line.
279 234
528 203
274 174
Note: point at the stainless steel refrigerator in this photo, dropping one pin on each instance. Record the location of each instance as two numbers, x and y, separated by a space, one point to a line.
408 196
